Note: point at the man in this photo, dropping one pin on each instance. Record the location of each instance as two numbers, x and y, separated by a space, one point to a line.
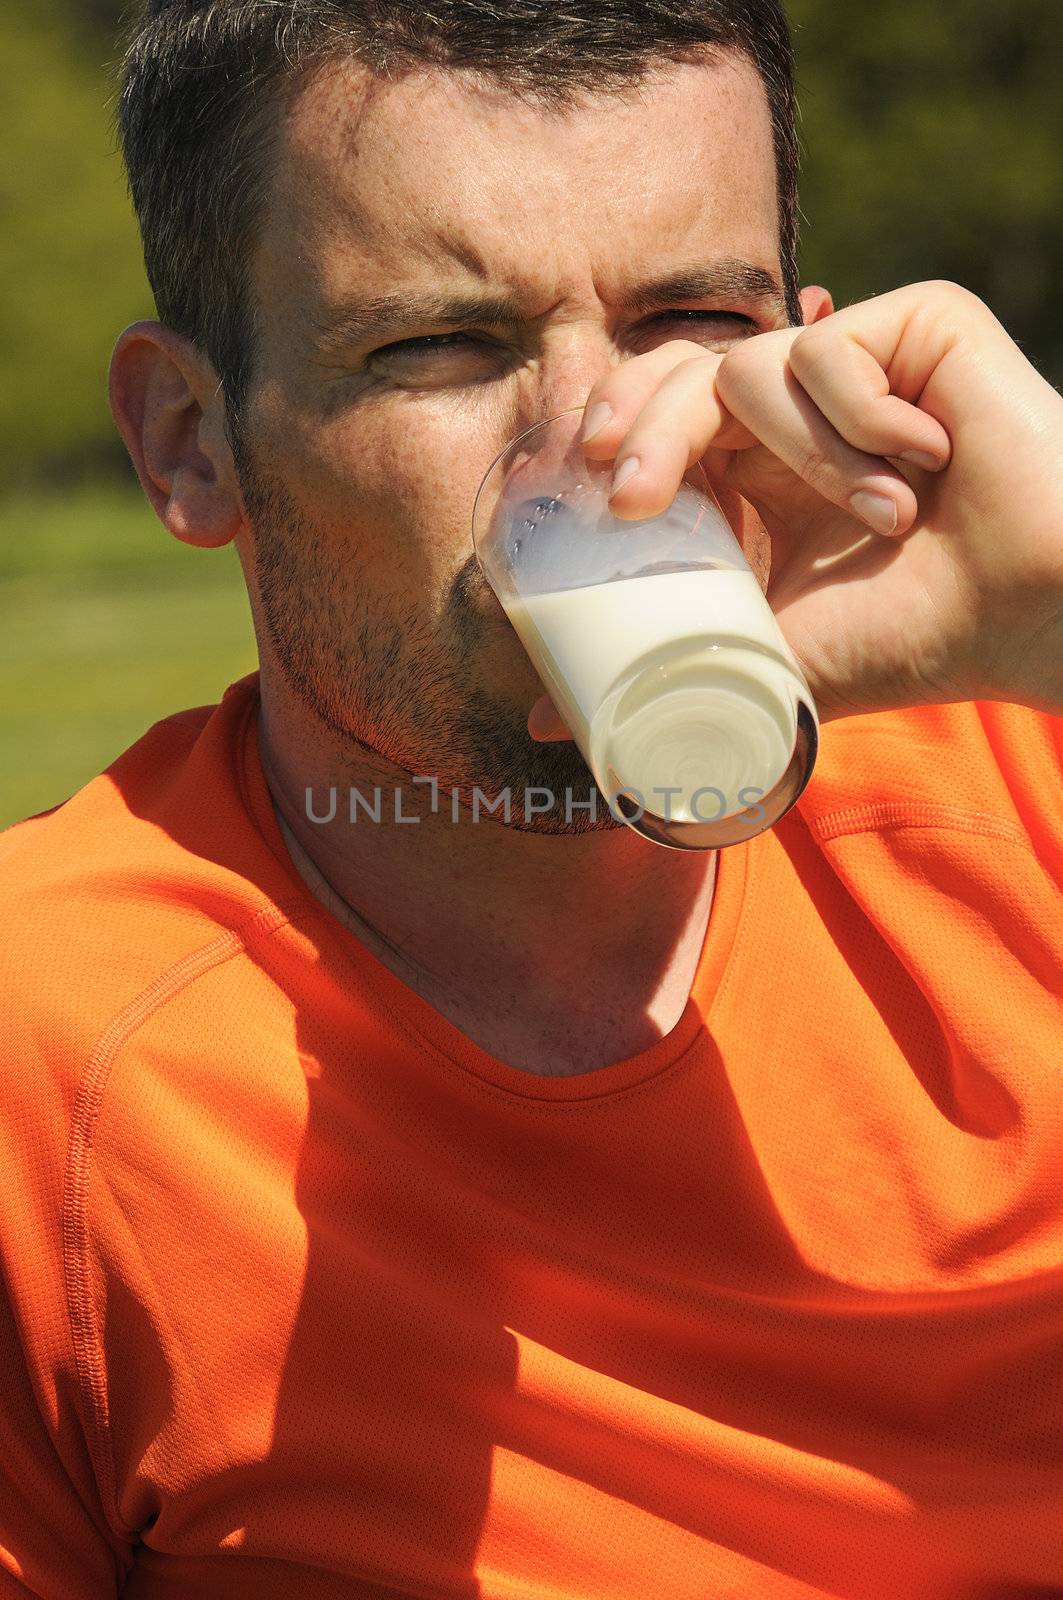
434 1207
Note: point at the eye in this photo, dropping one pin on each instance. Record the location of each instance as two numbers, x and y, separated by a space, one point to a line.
431 342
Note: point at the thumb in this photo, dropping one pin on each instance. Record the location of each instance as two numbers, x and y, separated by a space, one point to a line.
545 722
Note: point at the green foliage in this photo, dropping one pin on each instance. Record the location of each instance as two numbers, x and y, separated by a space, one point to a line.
70 266
933 138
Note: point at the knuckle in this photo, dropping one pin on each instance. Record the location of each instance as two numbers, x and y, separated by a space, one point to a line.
686 350
702 367
640 375
738 371
813 349
812 465
678 361
662 358
953 294
862 435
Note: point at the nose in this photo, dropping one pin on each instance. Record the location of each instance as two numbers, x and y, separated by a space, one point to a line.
572 359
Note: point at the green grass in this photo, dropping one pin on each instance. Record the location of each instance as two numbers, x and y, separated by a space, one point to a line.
107 623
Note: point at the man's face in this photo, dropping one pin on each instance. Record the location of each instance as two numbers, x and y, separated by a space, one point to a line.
364 456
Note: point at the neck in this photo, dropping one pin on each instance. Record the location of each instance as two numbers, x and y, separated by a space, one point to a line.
497 927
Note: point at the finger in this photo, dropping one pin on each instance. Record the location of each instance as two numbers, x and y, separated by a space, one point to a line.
625 390
545 721
853 392
760 391
681 422
910 331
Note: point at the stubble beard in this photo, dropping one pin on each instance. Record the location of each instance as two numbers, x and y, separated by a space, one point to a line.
390 684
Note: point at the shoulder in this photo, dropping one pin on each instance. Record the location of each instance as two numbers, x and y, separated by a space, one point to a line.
986 767
101 896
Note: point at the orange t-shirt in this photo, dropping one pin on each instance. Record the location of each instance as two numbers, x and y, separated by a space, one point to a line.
305 1295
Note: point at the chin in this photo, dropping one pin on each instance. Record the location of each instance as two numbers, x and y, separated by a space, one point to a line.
474 740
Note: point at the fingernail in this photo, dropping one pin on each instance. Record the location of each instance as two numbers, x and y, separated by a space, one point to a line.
595 421
877 510
920 458
627 469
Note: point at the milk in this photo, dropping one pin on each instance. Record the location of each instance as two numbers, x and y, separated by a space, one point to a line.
670 680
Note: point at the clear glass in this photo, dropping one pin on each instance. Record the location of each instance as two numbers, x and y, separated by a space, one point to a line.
654 640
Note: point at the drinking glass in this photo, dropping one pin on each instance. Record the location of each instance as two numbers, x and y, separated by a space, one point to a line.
654 640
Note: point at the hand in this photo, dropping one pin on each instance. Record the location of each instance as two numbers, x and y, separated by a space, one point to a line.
947 585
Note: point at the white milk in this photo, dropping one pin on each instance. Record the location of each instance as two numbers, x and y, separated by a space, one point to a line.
672 679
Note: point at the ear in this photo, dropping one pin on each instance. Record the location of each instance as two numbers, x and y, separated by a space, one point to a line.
167 405
816 303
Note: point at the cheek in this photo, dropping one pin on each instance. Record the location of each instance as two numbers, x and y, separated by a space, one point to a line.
395 490
388 480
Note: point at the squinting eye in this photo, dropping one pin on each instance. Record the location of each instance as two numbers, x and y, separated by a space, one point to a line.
430 341
443 341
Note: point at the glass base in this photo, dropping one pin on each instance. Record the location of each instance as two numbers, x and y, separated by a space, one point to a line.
740 825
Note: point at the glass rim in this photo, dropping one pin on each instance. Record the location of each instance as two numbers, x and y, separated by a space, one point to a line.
703 485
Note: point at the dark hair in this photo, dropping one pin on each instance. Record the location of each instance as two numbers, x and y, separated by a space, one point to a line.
203 82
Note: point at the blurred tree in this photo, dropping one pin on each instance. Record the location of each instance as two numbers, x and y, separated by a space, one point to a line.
70 262
932 137
934 149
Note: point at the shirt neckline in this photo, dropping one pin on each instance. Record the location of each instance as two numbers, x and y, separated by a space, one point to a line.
409 1010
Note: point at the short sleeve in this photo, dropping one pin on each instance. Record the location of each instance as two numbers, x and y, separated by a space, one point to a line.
57 1540
54 1539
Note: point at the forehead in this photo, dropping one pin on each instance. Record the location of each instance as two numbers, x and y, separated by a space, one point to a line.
441 175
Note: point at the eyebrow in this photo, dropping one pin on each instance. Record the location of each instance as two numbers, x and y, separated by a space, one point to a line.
350 322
